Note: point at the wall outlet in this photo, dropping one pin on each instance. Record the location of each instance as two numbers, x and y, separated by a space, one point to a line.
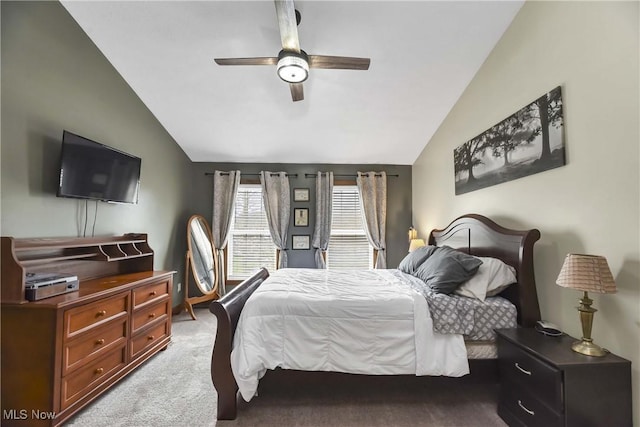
179 286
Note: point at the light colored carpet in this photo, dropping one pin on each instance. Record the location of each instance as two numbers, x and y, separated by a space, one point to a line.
174 389
171 389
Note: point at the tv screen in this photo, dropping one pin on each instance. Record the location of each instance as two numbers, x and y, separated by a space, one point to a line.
90 170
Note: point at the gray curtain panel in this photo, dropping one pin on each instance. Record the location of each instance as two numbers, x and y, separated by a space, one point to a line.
277 204
322 232
372 190
225 189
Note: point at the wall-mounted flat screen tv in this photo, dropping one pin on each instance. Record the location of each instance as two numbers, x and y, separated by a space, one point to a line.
90 170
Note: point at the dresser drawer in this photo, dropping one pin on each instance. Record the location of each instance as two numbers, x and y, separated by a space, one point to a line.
148 293
148 338
91 345
532 374
80 319
82 381
146 315
520 407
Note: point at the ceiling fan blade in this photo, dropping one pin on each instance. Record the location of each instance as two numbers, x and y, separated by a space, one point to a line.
297 93
286 13
339 62
247 61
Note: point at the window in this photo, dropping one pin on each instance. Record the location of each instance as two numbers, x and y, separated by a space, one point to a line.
348 244
250 246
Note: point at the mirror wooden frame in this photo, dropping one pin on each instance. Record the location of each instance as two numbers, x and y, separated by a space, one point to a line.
190 269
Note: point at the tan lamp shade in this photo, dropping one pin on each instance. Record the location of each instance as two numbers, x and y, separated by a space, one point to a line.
415 244
589 273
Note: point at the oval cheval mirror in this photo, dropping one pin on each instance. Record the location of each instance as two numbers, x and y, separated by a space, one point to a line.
202 262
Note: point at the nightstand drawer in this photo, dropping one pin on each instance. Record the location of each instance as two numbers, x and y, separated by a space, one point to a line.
518 407
532 374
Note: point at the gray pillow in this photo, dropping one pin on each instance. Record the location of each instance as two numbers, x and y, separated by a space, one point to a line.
412 261
446 269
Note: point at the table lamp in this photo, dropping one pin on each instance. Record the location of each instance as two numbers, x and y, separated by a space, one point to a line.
415 244
413 234
587 273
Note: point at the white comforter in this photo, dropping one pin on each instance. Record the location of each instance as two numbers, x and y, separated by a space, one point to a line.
361 322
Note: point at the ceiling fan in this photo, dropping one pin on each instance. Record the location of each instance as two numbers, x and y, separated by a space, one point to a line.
292 62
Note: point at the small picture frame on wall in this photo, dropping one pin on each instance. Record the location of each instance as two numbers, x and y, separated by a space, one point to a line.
300 194
300 242
301 217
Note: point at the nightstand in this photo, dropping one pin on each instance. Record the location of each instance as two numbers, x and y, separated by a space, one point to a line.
545 383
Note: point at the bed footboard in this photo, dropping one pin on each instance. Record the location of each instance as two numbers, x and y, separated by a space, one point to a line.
227 311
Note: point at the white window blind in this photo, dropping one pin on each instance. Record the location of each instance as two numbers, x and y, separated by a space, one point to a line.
348 245
250 246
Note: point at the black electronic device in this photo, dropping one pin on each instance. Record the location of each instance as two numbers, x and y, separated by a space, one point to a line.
548 328
91 170
45 285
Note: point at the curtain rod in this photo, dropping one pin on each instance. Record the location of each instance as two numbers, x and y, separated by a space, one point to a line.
306 175
295 175
313 175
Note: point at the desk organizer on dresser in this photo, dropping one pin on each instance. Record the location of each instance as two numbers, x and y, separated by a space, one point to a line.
60 353
545 383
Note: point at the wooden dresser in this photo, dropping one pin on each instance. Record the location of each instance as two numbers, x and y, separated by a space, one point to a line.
61 352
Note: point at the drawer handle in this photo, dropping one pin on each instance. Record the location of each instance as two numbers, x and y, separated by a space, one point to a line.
528 411
524 371
101 313
152 315
152 293
99 371
150 337
100 341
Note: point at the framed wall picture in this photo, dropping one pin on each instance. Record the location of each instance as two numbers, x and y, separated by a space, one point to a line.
300 242
301 217
300 194
529 141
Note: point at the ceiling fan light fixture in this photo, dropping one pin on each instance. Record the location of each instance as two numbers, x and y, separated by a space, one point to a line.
293 67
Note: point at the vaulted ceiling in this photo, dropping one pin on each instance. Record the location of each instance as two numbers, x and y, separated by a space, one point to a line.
423 55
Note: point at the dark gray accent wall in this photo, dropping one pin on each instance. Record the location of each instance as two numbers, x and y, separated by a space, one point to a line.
398 200
54 78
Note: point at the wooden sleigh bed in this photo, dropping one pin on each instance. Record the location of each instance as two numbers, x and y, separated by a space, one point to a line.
473 234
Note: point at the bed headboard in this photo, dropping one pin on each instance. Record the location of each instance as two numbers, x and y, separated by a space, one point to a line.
478 235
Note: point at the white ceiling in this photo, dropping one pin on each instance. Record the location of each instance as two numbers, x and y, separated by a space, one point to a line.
423 55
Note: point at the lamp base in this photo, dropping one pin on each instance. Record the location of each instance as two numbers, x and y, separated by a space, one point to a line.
589 348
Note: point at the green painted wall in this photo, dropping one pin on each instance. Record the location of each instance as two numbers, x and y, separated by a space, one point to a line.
54 78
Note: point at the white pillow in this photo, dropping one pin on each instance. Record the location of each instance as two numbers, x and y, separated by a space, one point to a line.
492 277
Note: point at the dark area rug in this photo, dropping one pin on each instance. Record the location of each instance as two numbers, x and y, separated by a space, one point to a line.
305 399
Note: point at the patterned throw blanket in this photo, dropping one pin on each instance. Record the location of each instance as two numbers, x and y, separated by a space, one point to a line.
475 319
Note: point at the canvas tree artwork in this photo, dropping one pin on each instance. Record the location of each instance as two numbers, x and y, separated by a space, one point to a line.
527 142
